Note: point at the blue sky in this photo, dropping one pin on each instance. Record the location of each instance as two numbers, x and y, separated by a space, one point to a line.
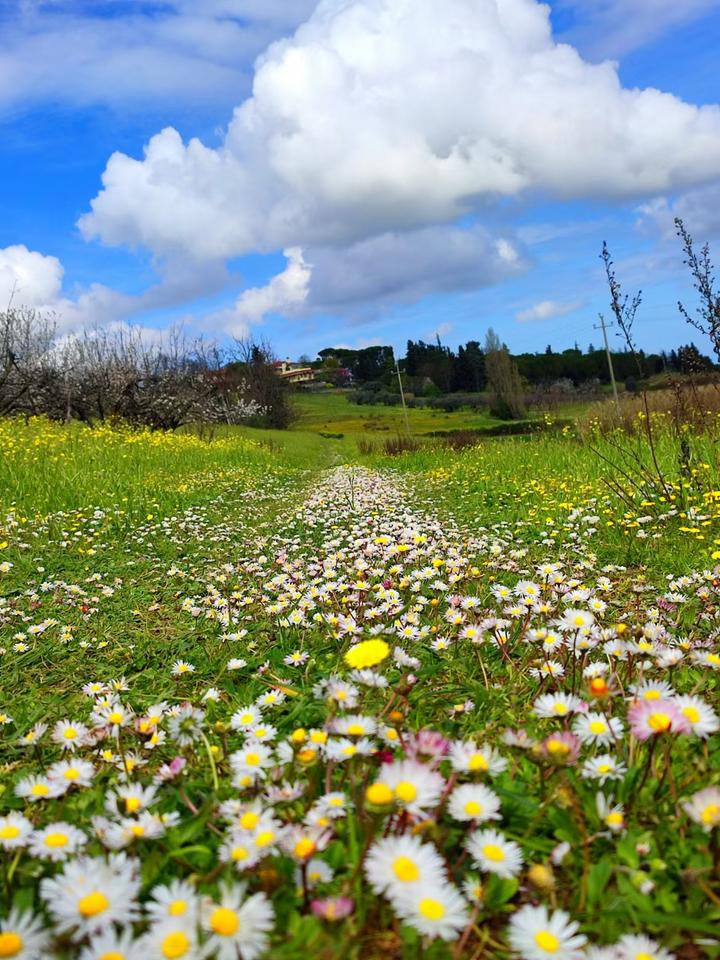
402 169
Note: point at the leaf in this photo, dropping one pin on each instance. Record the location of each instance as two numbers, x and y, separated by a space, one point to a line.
598 879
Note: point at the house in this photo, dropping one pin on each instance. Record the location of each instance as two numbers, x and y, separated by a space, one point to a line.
294 372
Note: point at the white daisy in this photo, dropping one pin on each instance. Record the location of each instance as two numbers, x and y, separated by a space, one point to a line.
414 786
56 841
23 936
597 728
633 946
237 927
15 830
91 894
492 853
435 911
536 934
395 862
700 715
468 757
474 801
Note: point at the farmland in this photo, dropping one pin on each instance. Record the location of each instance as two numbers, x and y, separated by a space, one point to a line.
264 694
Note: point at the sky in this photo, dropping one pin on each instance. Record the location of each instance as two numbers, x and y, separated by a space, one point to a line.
350 172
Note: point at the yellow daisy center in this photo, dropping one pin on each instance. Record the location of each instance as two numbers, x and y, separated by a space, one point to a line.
304 848
711 813
252 759
175 944
177 908
547 941
264 839
473 808
92 904
692 714
431 909
651 695
56 840
40 790
478 762
10 944
224 922
9 832
406 791
598 726
493 852
406 870
659 722
249 820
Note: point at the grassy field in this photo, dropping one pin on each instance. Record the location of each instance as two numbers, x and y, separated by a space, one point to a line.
332 413
262 695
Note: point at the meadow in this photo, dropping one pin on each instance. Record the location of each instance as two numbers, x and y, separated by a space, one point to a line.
265 694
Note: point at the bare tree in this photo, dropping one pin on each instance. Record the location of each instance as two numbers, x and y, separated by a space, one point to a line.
504 380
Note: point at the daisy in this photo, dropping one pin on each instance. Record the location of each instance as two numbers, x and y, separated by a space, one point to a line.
37 788
435 911
170 939
92 894
239 850
246 717
181 667
72 773
473 801
177 900
612 816
536 934
596 728
639 947
602 768
651 718
114 944
468 757
393 863
272 698
237 928
704 808
702 718
23 936
557 705
492 853
413 785
14 832
70 734
252 760
355 726
260 733
652 690
56 842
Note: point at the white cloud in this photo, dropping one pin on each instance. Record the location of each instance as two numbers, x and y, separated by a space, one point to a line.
389 115
285 293
546 310
28 278
698 209
404 267
196 51
615 27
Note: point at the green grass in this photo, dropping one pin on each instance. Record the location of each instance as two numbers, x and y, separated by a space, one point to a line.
123 553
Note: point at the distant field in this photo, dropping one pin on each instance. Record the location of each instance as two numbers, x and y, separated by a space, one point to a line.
332 412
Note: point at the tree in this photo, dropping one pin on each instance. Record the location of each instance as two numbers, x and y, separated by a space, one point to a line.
503 379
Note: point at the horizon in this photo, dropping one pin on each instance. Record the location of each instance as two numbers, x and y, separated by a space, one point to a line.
156 172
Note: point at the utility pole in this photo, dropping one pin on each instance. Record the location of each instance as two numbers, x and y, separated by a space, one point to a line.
402 396
603 326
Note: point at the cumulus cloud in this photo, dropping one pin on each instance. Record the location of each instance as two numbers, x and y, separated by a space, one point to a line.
404 267
285 293
547 310
698 209
28 278
386 115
